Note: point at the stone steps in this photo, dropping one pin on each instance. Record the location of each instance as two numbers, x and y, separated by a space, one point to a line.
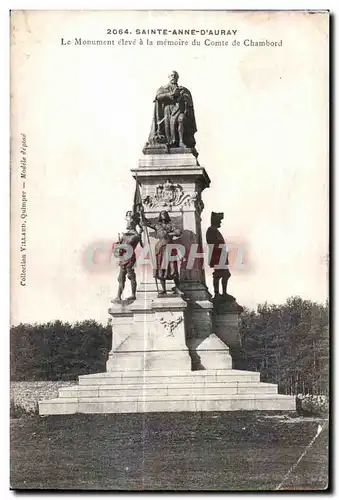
156 391
210 388
141 404
163 378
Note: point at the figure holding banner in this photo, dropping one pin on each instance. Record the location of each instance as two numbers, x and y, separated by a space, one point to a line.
166 267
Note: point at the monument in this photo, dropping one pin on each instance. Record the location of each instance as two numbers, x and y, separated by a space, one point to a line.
171 339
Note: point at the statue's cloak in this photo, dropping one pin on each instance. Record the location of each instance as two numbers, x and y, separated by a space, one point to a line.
166 109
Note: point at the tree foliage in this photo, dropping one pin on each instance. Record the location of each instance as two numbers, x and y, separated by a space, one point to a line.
58 351
288 344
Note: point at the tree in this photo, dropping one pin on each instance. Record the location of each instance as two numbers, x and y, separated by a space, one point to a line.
58 351
289 344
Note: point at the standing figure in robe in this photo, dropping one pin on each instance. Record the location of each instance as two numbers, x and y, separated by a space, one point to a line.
165 268
173 117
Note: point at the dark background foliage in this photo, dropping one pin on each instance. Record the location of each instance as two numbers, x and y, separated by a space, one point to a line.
288 344
58 350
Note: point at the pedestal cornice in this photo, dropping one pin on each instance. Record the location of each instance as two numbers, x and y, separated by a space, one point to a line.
159 173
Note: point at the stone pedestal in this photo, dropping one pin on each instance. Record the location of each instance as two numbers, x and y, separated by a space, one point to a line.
154 336
150 368
213 354
226 322
175 182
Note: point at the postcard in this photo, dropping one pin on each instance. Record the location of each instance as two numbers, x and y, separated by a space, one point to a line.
169 250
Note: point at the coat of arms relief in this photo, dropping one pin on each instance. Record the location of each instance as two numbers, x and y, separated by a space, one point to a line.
169 195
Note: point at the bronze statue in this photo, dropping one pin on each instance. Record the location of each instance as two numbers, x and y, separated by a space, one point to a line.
165 232
131 237
215 238
173 118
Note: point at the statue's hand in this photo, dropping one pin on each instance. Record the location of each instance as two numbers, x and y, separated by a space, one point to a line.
176 93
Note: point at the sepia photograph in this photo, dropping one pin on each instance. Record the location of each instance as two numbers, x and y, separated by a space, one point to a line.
169 254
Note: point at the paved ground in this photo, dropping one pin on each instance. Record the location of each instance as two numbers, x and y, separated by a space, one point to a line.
168 451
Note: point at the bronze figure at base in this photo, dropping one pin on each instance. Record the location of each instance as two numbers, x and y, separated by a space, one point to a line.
165 269
131 237
219 253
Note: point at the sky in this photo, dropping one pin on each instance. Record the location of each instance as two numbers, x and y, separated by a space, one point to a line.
262 119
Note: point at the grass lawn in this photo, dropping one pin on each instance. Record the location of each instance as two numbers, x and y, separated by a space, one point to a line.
167 451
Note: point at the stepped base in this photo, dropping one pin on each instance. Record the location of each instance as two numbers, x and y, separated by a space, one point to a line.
138 392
